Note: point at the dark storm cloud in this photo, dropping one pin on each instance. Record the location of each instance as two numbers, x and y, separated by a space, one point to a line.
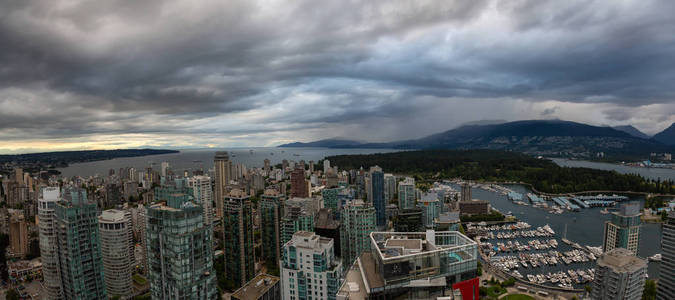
96 67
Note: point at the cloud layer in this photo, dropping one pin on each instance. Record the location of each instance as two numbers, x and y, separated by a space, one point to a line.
90 74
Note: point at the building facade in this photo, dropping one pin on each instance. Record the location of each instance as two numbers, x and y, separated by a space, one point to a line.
619 274
238 238
406 193
358 221
179 249
666 287
298 183
377 191
623 230
48 238
309 269
203 194
222 174
117 250
79 246
271 206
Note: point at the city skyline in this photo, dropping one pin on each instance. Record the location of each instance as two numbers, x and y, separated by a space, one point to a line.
225 74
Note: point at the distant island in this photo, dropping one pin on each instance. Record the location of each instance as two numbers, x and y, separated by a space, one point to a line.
33 162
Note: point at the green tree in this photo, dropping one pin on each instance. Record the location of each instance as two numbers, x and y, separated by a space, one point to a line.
649 292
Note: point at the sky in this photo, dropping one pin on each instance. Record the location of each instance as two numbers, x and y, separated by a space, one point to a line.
185 74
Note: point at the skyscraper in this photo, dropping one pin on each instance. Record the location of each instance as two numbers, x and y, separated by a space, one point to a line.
179 248
389 187
271 208
623 230
466 192
377 191
619 274
298 183
238 238
79 247
48 247
309 269
330 198
358 220
406 193
666 289
296 218
117 250
203 195
18 234
223 168
266 167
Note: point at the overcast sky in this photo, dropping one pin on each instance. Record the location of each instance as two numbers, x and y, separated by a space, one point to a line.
118 74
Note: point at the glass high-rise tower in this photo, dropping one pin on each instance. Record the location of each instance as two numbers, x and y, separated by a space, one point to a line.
667 267
80 262
238 238
623 230
179 247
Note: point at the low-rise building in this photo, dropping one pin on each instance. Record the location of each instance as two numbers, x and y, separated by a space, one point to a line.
420 265
474 207
262 287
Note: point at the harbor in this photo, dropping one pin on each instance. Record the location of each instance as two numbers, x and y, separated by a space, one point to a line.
584 229
536 255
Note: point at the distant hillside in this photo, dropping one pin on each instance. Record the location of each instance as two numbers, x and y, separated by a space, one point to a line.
493 165
632 131
327 143
666 136
45 160
535 137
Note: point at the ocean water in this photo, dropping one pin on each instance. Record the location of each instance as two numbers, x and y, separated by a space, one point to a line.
202 159
651 173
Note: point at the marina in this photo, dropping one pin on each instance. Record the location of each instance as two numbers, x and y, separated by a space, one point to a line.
582 225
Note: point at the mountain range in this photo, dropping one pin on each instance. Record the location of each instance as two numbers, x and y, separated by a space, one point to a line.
537 137
666 136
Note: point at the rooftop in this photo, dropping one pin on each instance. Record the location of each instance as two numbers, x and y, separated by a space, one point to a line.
255 288
621 261
397 244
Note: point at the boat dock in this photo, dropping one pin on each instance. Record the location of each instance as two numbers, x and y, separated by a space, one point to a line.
580 202
564 202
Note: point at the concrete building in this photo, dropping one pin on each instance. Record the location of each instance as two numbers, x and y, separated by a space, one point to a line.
262 287
466 192
474 207
48 238
406 193
222 174
358 220
377 196
271 206
179 248
78 245
666 286
309 269
203 194
389 187
299 184
18 235
117 250
413 265
619 275
623 230
238 238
